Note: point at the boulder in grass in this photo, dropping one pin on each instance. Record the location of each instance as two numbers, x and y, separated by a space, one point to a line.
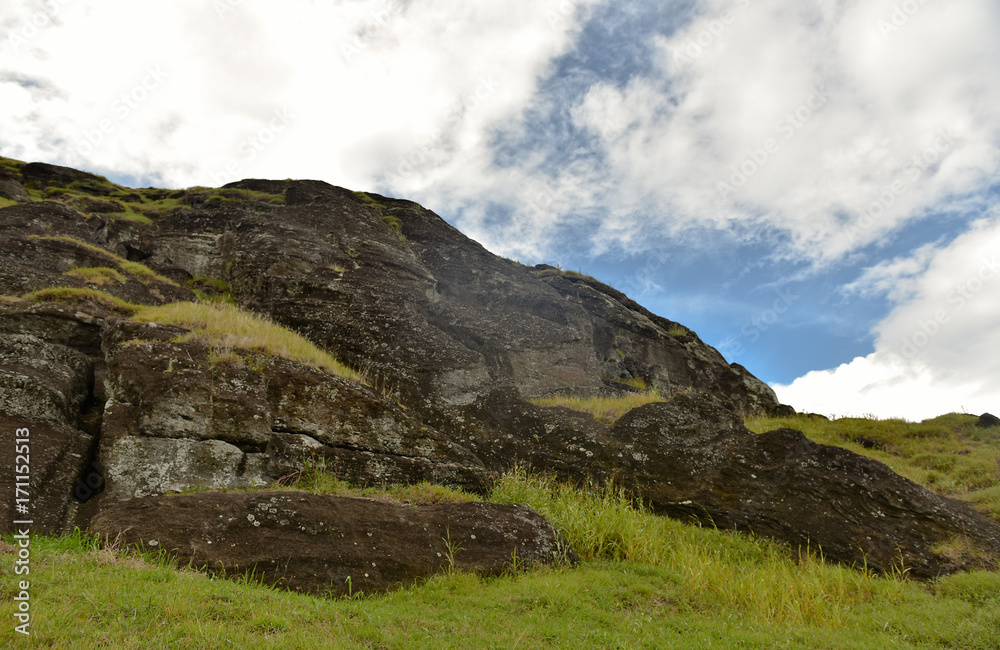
327 545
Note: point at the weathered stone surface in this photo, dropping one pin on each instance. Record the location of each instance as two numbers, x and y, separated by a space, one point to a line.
178 418
46 175
12 190
433 314
693 459
328 545
44 388
61 474
40 381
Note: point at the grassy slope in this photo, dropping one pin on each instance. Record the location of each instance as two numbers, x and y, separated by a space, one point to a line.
644 581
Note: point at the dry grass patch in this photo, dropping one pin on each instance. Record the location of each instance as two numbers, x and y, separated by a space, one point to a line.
82 297
604 409
100 275
224 325
318 477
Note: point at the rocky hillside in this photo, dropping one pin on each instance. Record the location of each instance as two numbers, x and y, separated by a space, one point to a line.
158 341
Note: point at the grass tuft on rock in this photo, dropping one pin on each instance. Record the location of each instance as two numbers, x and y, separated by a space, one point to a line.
604 409
142 272
225 325
318 477
82 296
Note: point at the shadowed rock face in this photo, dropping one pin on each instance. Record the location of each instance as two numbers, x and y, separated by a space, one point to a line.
44 388
454 337
333 546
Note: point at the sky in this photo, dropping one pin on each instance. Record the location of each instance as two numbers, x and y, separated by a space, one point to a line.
813 187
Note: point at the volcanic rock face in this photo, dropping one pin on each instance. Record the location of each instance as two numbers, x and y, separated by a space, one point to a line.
176 420
333 546
454 338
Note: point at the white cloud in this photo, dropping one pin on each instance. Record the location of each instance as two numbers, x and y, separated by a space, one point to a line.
936 352
349 92
818 124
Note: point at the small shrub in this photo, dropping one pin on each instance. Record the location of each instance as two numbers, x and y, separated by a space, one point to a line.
635 382
677 331
368 200
394 226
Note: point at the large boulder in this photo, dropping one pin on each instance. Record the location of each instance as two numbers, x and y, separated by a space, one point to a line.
455 338
987 420
692 458
12 190
332 545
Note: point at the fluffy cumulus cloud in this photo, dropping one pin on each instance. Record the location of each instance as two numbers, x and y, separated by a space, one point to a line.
200 92
936 352
833 122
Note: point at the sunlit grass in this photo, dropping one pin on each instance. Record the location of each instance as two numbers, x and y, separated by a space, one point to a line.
225 325
753 576
82 296
98 276
644 581
605 409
